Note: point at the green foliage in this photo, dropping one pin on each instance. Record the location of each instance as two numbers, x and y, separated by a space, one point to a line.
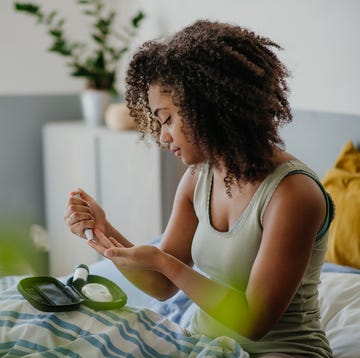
97 66
18 256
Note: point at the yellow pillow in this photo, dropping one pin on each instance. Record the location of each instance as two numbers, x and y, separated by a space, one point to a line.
343 184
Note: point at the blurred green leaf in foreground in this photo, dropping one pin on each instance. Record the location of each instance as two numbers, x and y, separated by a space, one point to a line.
18 255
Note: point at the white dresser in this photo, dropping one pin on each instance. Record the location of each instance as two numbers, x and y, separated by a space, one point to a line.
134 183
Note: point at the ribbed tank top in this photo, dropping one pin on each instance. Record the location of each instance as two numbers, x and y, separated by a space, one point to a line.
227 257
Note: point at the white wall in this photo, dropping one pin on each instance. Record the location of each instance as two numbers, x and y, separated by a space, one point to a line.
26 67
320 38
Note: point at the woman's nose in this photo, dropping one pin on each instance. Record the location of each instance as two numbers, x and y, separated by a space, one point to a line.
165 136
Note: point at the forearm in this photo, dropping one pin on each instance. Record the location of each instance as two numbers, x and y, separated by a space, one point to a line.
110 231
161 274
152 283
147 280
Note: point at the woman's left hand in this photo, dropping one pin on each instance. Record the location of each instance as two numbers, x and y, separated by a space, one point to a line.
140 257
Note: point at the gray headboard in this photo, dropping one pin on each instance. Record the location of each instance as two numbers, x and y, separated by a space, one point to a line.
316 138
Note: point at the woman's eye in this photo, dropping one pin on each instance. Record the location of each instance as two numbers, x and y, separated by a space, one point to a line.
167 121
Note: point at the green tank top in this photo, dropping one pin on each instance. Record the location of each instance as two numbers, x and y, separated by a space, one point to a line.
227 257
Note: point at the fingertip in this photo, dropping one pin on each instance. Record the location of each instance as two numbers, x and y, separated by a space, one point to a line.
75 194
81 192
92 242
77 191
108 253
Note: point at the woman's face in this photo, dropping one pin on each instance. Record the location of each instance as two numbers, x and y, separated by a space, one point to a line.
171 123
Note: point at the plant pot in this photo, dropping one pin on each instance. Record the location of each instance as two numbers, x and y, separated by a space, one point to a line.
93 105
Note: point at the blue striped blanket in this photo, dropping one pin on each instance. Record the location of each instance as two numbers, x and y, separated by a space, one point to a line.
126 332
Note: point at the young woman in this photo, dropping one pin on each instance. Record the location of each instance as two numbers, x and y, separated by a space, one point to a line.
253 218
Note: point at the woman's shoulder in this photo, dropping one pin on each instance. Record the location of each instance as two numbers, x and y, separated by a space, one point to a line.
294 178
286 164
189 181
298 187
292 184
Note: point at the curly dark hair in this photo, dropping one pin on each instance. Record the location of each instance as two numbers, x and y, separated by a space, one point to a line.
230 88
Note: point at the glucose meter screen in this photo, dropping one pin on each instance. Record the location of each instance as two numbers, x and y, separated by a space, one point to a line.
54 294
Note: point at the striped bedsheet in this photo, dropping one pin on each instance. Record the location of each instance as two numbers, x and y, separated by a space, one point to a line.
127 332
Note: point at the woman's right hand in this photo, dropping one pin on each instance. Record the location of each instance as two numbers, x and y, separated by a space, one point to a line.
83 212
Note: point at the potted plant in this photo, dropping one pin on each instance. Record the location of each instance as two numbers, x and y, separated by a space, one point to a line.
97 63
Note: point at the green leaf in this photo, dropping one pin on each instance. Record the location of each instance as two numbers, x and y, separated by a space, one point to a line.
27 7
60 47
60 23
103 26
98 39
81 72
100 60
111 17
50 17
123 50
137 19
55 33
89 13
99 7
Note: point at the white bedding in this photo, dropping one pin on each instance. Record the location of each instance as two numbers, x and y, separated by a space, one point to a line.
127 332
155 331
339 296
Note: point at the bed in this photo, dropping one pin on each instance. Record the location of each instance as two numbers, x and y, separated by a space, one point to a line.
148 328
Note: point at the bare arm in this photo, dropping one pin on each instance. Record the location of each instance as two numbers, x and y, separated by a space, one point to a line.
176 241
291 221
289 232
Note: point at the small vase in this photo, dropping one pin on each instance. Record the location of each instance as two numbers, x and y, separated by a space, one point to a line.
94 104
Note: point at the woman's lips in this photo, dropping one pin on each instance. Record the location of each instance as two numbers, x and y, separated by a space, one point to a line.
176 152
